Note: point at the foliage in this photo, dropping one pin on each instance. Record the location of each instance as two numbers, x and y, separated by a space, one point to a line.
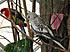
18 46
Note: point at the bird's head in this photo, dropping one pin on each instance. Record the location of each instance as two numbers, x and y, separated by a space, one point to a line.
31 16
5 11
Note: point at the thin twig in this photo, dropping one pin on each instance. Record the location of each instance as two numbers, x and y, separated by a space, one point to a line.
34 6
2 1
25 8
20 6
12 3
5 38
6 27
16 4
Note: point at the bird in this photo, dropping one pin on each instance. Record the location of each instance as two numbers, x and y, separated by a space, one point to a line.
37 25
14 12
45 33
5 11
16 16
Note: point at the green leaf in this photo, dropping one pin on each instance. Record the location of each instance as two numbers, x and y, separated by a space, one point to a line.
19 46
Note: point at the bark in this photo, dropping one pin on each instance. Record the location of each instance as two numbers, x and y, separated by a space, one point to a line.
47 7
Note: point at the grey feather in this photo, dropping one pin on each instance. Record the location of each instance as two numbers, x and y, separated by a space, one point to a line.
36 24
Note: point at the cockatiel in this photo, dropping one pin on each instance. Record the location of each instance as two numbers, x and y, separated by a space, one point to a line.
44 34
37 25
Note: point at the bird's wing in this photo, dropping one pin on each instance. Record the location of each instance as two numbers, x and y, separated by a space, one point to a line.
37 31
49 30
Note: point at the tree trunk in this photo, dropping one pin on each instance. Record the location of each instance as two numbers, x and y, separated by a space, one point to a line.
47 7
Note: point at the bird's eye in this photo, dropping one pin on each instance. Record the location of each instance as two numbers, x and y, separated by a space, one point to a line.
28 16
